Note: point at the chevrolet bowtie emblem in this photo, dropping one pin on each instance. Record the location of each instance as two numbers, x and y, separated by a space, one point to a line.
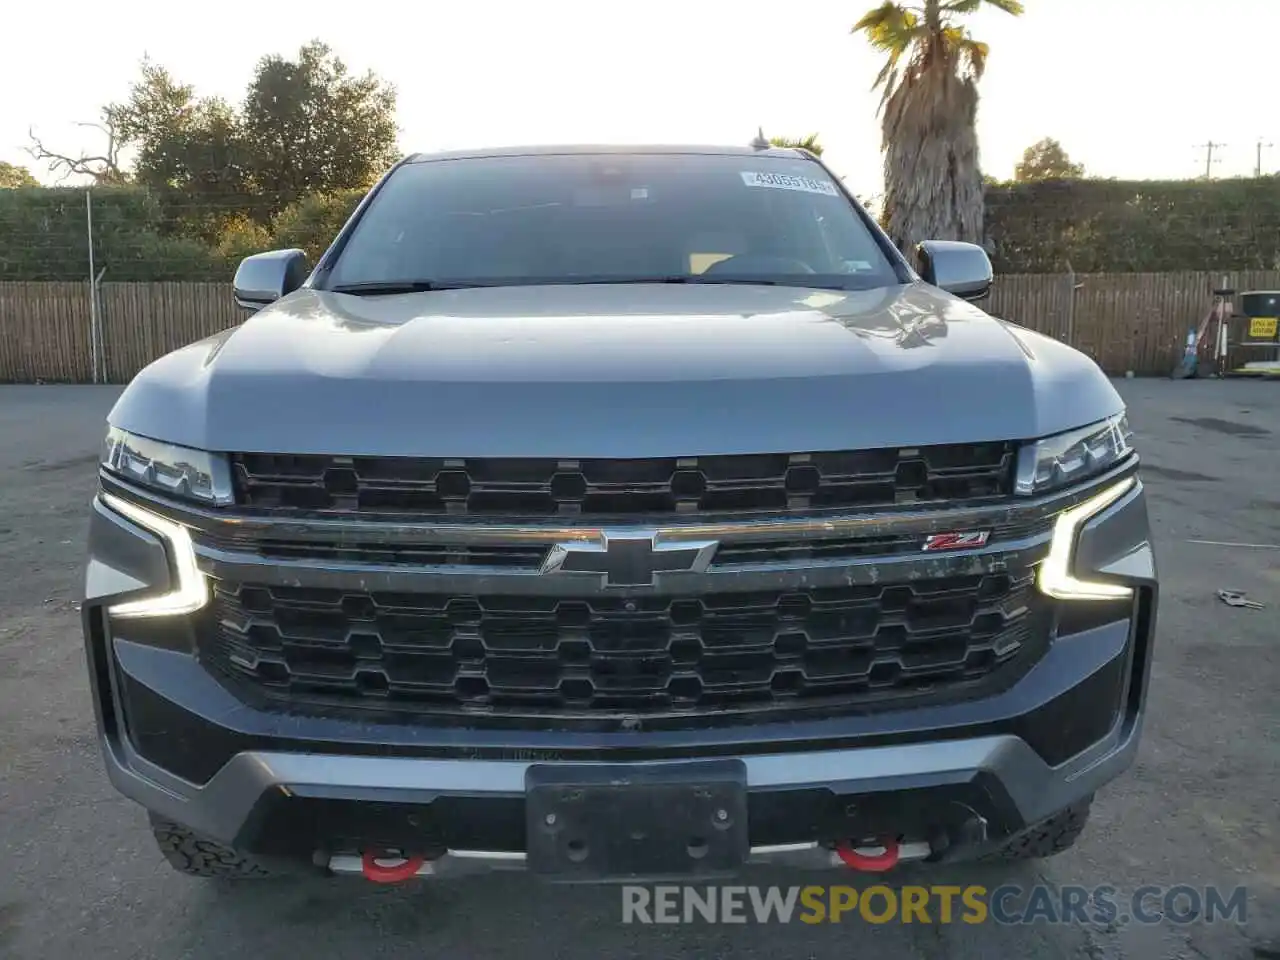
623 560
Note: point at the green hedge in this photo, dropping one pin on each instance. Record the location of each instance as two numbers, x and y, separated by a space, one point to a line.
44 236
1096 226
1136 226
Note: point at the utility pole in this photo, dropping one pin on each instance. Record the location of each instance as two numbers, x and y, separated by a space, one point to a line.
1261 146
1208 148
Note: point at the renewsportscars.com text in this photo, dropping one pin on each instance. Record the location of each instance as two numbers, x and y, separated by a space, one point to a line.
1010 904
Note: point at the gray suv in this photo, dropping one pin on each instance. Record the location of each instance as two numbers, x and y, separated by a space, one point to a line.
616 514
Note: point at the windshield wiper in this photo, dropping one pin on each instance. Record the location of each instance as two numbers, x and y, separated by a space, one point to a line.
700 278
372 288
678 278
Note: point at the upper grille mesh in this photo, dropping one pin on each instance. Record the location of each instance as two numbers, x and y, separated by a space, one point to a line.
547 487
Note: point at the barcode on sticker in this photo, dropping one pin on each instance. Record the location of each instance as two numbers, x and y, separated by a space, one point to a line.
788 181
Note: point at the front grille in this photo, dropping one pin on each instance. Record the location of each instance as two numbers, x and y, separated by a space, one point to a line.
548 487
784 548
387 553
767 652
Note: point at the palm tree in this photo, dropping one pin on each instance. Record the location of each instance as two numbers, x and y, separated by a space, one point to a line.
928 111
809 143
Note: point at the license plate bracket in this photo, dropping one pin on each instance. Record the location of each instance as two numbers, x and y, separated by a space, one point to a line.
606 822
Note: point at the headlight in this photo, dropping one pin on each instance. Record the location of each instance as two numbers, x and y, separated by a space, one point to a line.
166 468
1073 456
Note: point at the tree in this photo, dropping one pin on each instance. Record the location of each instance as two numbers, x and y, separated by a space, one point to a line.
305 127
928 109
190 151
312 127
103 168
809 143
1047 160
12 175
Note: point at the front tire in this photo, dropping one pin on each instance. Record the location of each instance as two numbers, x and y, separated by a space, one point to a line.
197 857
1048 837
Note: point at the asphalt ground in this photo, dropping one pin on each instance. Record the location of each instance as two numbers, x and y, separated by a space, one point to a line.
79 875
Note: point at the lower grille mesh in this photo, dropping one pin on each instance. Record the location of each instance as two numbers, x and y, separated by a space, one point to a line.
767 652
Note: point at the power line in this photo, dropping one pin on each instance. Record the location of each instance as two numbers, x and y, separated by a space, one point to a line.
1261 146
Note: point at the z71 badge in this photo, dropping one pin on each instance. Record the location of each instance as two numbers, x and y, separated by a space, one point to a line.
956 541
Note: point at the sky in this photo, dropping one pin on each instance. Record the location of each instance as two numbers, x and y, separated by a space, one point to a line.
1132 88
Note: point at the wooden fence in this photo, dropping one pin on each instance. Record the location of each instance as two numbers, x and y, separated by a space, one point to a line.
44 327
1125 322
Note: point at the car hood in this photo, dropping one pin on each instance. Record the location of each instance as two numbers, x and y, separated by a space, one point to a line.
578 371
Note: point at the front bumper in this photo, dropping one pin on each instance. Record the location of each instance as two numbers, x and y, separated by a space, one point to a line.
295 805
307 787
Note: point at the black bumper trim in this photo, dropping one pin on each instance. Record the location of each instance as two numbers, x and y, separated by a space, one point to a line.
1074 689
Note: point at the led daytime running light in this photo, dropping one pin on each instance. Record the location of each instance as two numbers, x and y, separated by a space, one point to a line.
191 593
1055 573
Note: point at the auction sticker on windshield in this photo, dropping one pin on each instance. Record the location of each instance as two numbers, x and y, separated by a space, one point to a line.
788 181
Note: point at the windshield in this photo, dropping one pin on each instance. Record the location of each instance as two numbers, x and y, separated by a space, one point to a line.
611 218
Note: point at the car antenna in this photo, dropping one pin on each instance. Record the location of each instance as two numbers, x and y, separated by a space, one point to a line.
761 142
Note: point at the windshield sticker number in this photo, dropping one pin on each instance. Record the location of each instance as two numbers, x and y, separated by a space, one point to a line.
787 181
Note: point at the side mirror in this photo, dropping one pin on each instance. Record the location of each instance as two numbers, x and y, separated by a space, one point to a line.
960 268
266 277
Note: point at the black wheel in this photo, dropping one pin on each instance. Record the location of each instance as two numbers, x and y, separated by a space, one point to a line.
197 857
1048 837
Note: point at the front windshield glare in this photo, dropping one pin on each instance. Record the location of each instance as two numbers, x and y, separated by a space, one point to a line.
604 217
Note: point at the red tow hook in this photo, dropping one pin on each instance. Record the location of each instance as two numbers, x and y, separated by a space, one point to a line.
877 863
376 872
